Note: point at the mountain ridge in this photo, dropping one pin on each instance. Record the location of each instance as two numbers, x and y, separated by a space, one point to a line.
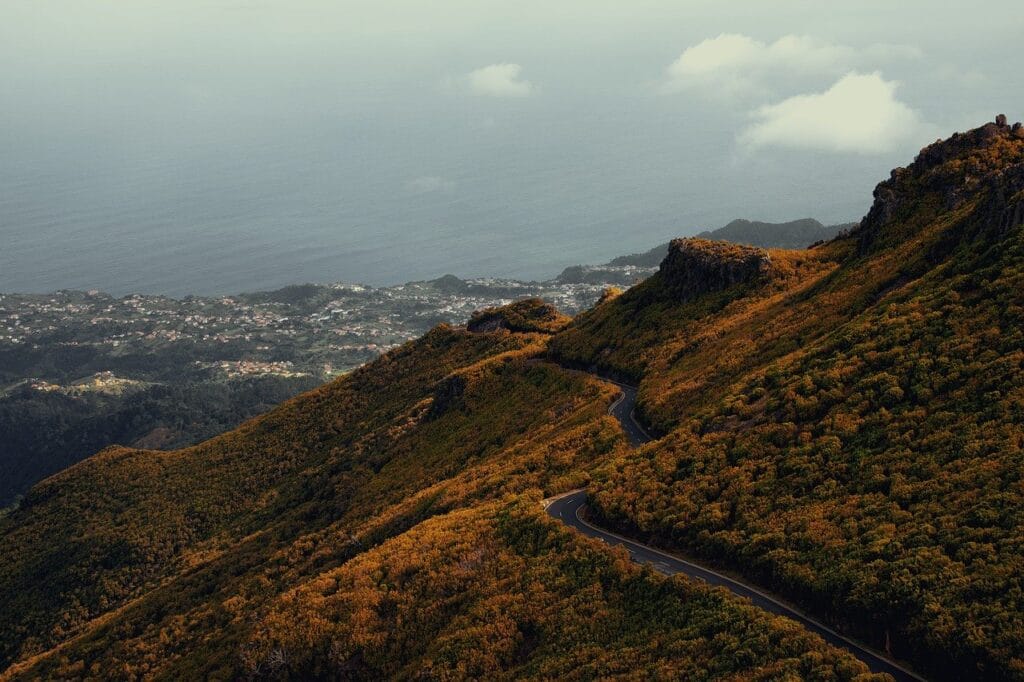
273 345
794 234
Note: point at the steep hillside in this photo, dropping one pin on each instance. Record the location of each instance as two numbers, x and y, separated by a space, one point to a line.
103 532
228 560
522 598
848 431
701 293
840 425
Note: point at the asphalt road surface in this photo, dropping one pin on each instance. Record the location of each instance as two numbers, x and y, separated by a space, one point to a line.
624 409
568 509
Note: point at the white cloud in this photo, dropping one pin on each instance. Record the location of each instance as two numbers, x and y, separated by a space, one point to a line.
735 52
430 183
734 64
499 80
859 113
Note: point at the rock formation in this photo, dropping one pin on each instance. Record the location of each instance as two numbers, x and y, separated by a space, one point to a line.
985 164
697 266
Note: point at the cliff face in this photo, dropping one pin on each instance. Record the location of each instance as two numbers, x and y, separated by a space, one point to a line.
697 266
986 164
1003 208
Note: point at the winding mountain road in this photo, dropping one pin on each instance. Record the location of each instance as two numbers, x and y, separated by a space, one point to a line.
568 509
624 409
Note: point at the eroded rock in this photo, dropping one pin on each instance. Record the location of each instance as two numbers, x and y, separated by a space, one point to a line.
981 164
694 267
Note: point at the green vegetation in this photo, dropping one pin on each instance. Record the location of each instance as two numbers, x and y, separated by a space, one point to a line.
842 425
48 431
505 592
642 331
402 498
854 442
325 476
528 315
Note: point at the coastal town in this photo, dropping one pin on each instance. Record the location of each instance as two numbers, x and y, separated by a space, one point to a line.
80 370
318 331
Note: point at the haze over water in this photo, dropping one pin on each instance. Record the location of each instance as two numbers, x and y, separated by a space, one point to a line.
171 147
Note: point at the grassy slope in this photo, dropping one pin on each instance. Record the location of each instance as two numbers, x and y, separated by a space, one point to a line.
501 591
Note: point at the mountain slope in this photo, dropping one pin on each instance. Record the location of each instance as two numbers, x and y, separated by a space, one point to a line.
851 436
234 572
795 234
840 424
123 521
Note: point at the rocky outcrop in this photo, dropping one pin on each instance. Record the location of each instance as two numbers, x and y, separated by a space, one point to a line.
1003 206
984 161
484 324
694 267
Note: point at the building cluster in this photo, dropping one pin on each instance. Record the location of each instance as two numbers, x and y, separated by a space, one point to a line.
320 332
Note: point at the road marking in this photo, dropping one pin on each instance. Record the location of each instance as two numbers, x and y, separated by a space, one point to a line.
636 423
611 408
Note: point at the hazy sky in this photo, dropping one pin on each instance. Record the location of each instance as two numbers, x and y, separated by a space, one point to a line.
455 132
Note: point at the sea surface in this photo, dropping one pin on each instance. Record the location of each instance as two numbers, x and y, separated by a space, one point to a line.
219 146
224 216
225 147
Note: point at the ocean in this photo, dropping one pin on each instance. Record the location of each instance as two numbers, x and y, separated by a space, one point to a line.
227 147
220 146
242 213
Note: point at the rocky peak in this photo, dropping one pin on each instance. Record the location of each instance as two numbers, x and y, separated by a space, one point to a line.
987 159
698 266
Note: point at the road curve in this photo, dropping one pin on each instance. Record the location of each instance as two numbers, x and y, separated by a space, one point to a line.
624 409
568 509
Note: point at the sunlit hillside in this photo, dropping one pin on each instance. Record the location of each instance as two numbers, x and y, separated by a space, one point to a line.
840 425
